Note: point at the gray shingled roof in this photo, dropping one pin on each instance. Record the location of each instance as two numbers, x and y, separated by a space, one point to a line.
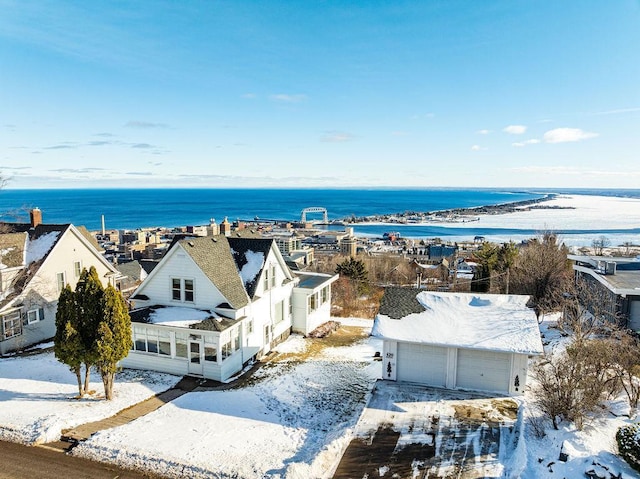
240 246
213 256
399 302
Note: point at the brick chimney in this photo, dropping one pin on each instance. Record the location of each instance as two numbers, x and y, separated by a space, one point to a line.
36 217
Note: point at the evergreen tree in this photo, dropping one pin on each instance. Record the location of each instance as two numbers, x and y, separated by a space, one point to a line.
68 346
355 270
487 257
89 299
114 337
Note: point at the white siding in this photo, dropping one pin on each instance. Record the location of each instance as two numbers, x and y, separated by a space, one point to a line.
179 265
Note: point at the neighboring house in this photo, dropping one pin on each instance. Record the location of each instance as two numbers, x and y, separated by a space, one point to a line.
215 303
36 261
457 340
133 273
618 281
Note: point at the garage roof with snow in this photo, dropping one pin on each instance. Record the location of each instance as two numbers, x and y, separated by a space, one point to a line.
465 320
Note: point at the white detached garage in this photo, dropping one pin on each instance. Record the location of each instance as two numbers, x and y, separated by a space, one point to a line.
457 340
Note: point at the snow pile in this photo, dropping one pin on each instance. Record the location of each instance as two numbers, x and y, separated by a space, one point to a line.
478 321
39 247
38 397
178 316
292 421
254 264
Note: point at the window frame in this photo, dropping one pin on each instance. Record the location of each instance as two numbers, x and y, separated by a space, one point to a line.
15 319
77 268
39 316
61 280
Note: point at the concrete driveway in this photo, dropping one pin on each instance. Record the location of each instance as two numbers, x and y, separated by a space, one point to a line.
410 431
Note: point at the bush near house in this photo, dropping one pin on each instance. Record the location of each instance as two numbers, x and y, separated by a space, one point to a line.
628 439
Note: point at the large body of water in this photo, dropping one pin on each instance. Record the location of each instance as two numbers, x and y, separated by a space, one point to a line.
134 208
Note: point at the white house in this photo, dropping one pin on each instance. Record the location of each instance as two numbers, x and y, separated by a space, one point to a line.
457 340
215 303
36 261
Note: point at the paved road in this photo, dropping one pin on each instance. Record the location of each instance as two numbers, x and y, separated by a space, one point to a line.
26 462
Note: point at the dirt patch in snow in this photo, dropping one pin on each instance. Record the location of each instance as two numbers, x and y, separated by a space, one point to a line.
480 411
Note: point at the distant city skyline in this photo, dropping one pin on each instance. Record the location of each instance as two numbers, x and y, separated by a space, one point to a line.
320 94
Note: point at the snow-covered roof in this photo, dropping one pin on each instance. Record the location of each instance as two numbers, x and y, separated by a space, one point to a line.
39 247
178 316
466 320
252 267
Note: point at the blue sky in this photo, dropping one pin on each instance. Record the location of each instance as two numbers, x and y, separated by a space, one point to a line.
320 93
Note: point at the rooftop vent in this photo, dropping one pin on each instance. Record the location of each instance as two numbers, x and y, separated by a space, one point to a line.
190 243
215 240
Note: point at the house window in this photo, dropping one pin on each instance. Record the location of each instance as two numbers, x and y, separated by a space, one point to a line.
35 315
290 307
226 350
176 293
11 325
61 280
313 302
325 294
269 277
249 327
77 268
182 289
188 290
279 316
210 353
235 337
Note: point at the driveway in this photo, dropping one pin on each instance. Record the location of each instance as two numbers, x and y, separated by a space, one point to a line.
410 431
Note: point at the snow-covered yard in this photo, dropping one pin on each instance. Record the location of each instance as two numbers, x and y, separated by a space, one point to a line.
593 448
292 419
37 397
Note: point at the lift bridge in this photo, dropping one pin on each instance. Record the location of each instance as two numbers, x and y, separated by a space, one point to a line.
314 209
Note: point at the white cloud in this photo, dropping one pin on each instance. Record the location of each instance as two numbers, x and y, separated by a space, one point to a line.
532 141
337 137
285 98
248 96
515 129
483 132
564 135
478 148
620 110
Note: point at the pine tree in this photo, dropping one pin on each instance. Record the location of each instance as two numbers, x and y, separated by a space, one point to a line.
355 270
68 346
114 337
89 299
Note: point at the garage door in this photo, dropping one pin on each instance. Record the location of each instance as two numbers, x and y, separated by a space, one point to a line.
422 364
483 370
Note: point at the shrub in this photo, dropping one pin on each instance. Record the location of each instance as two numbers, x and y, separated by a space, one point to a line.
628 441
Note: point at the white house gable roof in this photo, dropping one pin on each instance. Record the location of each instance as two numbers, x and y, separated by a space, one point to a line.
475 321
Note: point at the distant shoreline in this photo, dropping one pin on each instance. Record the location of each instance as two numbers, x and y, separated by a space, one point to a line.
457 215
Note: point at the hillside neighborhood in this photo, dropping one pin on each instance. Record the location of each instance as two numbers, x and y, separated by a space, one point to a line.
255 353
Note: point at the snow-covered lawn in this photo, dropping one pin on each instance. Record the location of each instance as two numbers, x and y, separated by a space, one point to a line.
37 397
592 448
292 419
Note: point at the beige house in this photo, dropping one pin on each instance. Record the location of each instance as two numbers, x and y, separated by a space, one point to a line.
36 262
